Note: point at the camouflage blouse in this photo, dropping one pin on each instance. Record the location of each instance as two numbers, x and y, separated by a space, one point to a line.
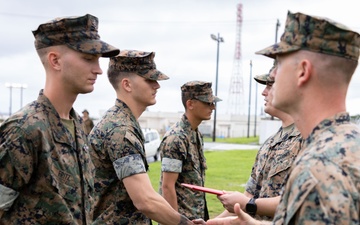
273 162
182 152
324 182
49 168
118 152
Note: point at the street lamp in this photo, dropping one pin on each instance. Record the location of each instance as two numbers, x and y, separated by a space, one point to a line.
218 39
15 85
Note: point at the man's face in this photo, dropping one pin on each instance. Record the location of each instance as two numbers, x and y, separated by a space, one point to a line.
144 90
284 88
267 99
79 71
202 110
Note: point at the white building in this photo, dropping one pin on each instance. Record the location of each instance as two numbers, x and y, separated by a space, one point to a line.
226 125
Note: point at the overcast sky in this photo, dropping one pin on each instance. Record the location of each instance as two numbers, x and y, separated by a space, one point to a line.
179 33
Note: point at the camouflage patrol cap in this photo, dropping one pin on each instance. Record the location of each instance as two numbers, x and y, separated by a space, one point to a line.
199 90
265 78
315 34
78 33
139 62
262 78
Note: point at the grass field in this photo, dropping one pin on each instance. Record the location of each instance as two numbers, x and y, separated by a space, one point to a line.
227 170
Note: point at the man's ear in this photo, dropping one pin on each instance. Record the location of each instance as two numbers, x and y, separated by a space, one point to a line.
126 84
190 104
54 60
304 72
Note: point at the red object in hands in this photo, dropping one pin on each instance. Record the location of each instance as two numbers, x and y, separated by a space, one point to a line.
203 189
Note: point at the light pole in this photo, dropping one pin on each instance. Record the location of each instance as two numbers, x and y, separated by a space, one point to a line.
15 85
248 131
218 39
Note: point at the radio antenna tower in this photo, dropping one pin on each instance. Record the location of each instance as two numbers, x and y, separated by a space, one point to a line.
236 90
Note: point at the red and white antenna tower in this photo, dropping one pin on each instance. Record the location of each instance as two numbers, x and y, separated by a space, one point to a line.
236 90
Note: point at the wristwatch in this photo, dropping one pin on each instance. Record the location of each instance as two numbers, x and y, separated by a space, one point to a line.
251 207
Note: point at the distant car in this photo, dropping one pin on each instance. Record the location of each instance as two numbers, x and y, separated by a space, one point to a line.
152 142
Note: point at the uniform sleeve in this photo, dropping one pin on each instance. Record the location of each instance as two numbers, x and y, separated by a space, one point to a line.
126 152
173 152
320 193
251 184
16 162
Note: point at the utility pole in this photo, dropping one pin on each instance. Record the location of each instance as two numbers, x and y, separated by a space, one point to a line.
248 131
15 85
256 91
218 39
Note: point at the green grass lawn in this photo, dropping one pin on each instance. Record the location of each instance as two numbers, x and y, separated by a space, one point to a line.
227 170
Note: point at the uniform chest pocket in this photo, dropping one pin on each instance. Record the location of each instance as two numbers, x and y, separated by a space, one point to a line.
65 184
281 168
194 164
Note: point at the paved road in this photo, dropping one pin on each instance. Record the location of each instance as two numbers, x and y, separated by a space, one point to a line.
215 146
211 146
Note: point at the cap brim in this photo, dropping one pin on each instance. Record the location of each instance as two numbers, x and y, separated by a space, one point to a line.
155 75
276 49
95 47
217 99
205 98
260 81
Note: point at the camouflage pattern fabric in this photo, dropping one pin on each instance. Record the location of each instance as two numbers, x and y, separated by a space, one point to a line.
139 62
117 152
315 34
324 182
181 143
199 90
78 33
272 164
265 78
51 170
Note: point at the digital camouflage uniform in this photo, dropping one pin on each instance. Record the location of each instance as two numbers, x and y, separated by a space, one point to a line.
118 152
324 183
46 175
49 168
118 146
273 162
182 152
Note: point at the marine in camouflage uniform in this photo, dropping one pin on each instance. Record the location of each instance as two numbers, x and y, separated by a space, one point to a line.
182 153
276 155
272 163
323 185
46 173
118 152
88 122
124 191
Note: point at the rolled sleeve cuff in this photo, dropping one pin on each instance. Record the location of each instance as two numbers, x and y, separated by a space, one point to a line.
129 165
171 165
250 186
7 197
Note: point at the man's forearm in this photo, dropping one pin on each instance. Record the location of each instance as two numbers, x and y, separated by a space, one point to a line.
170 196
267 206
